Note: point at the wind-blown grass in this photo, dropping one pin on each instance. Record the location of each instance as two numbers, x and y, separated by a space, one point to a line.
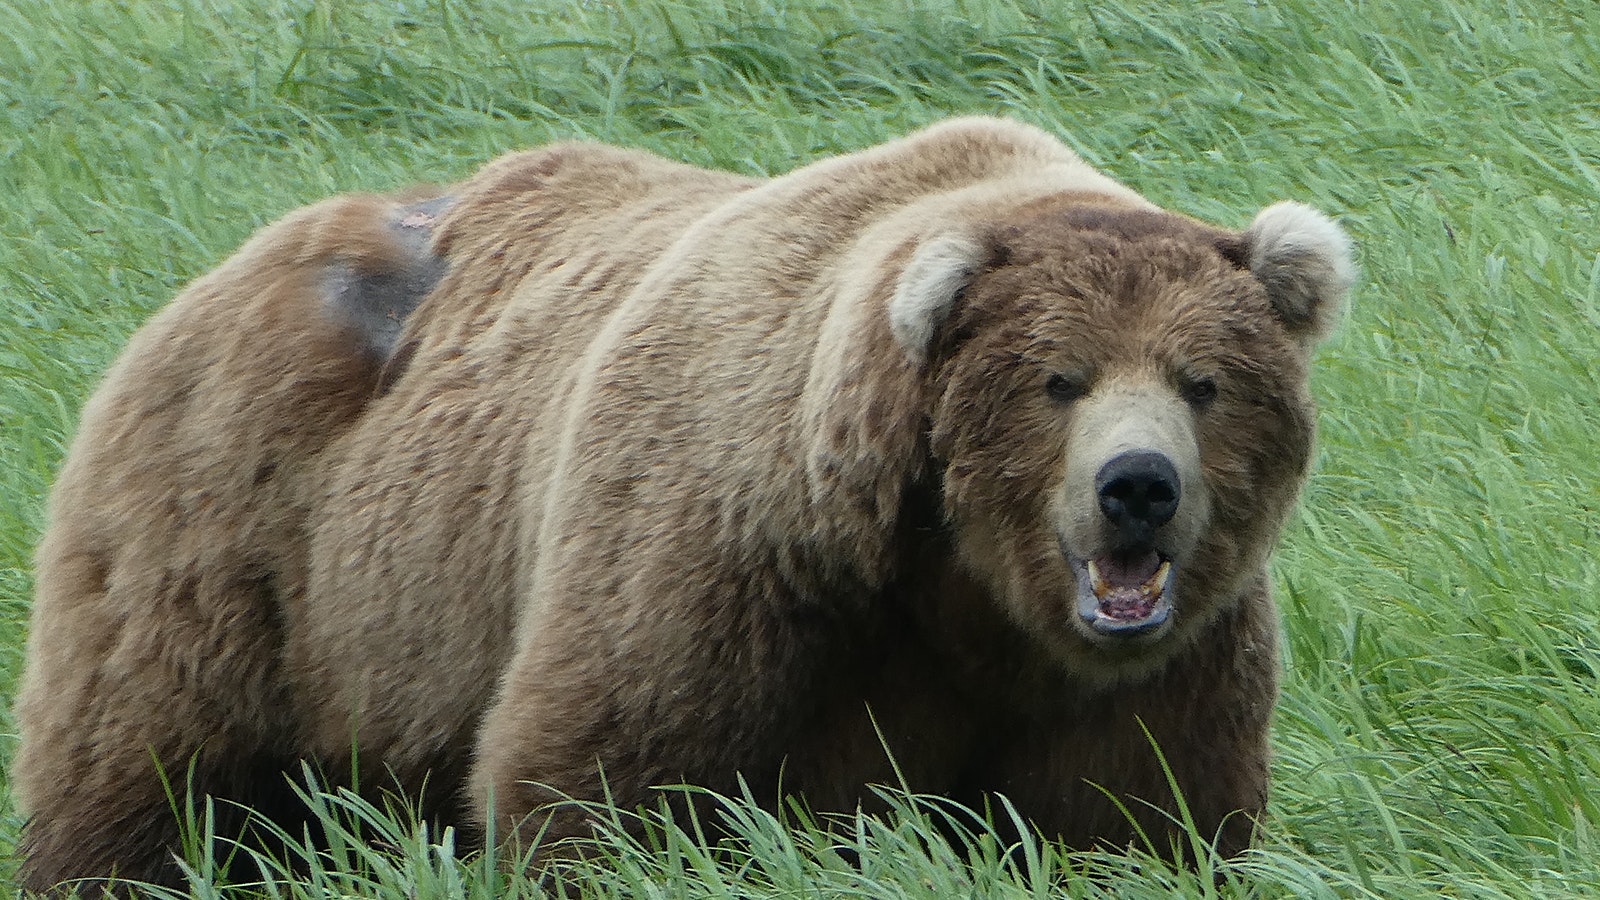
1440 726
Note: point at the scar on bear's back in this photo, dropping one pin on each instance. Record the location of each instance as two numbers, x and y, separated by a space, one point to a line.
371 294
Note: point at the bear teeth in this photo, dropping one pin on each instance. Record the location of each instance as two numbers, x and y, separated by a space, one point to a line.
1158 582
1153 586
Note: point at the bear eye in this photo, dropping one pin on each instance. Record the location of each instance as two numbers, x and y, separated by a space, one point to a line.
1199 391
1065 388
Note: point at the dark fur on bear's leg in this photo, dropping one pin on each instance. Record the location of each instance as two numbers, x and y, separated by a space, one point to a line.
1116 780
136 846
141 843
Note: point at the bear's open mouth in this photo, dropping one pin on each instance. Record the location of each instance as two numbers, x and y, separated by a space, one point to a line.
1125 594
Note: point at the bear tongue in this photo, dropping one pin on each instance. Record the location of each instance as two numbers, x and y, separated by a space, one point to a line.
1128 587
1116 571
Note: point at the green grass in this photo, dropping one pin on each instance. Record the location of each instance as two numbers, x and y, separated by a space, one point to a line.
1440 725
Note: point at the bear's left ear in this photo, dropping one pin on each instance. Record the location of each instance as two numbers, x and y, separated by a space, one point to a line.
1304 260
939 271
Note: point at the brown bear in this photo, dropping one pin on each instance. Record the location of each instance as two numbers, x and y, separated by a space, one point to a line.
599 472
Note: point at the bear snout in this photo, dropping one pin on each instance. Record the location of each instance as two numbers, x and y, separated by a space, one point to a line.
1138 493
1132 481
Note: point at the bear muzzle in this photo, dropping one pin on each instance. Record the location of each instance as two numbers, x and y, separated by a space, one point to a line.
1131 509
1127 592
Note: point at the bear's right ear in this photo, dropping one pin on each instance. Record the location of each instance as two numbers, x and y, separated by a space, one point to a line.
939 271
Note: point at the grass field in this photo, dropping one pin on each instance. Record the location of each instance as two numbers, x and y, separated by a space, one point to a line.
1440 726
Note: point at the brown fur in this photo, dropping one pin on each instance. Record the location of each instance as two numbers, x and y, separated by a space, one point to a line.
654 487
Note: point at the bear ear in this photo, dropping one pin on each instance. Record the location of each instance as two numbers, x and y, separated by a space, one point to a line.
1304 260
939 271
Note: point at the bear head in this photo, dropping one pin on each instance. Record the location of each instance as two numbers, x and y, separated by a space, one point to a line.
1118 412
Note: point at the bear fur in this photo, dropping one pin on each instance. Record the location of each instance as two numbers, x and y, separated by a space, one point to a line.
599 462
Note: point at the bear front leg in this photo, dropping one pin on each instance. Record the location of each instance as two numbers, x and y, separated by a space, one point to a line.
1208 716
614 696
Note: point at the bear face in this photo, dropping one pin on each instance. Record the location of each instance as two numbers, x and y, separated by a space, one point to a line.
1120 403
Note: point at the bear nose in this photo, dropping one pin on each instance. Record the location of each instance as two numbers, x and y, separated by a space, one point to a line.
1138 493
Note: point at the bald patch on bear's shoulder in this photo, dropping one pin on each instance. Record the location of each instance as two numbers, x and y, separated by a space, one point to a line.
371 294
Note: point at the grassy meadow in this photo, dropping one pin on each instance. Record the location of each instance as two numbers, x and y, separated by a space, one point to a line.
1439 732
